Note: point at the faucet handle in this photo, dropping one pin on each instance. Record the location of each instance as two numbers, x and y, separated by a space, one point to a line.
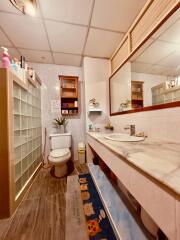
132 128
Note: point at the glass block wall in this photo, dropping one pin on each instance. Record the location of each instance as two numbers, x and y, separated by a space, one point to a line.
27 133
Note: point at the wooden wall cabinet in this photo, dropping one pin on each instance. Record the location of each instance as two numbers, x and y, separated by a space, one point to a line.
20 138
137 94
69 95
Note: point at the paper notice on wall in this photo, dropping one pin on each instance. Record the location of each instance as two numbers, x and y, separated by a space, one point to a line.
55 106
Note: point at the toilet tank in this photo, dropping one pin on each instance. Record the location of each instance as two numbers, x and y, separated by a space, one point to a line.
60 140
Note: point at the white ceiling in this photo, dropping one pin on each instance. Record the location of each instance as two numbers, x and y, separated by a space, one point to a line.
63 31
161 54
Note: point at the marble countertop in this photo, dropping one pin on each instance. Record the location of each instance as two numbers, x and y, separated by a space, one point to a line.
156 158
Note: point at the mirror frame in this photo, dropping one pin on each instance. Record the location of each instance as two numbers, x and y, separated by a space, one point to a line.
148 108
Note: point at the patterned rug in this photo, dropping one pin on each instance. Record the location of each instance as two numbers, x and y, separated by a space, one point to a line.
98 224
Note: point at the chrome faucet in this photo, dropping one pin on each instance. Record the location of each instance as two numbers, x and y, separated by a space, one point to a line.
132 129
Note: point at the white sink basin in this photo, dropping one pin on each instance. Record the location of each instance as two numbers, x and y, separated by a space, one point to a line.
119 137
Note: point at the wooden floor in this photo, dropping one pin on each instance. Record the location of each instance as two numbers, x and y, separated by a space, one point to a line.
41 215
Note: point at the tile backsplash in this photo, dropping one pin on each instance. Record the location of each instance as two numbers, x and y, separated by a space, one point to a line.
160 124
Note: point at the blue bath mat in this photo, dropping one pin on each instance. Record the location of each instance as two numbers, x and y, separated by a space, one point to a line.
98 224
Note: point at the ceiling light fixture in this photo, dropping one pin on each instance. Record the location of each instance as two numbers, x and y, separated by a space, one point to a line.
25 6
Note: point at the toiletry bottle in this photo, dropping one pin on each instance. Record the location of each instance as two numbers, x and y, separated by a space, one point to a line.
5 58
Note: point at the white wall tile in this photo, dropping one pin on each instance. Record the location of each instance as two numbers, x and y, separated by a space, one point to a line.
160 124
49 76
96 75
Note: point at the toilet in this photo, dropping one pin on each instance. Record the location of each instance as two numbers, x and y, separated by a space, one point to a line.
60 153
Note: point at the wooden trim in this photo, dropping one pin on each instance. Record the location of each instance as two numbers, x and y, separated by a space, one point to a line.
4 146
123 47
11 78
17 201
149 108
70 77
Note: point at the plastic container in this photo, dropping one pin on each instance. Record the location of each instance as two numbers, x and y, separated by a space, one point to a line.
81 152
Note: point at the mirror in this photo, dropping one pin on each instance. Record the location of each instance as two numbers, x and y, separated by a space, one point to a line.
150 79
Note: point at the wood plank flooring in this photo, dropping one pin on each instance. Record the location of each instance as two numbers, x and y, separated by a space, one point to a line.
41 215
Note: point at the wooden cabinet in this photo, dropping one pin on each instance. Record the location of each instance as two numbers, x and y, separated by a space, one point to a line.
69 95
20 146
137 95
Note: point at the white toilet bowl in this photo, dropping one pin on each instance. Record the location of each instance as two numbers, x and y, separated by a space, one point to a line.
59 158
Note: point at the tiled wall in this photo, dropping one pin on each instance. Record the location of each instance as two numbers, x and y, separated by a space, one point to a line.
96 75
49 73
160 124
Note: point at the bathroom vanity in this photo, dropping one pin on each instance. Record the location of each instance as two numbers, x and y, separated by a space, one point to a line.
150 171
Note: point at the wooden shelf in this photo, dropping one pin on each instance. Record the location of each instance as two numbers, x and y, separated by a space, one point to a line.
69 108
137 94
140 99
69 95
69 88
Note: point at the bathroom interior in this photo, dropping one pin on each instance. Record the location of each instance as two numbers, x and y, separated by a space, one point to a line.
90 120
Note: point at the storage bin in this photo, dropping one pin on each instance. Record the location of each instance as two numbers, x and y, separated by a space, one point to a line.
81 153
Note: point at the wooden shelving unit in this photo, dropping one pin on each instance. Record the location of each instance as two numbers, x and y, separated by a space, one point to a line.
69 95
137 94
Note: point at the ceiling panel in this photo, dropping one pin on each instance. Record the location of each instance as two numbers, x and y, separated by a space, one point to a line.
116 14
37 56
67 59
157 51
162 70
12 52
75 11
65 37
24 31
172 60
102 43
4 40
140 67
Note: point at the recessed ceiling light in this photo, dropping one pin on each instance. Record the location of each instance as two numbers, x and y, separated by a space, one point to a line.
25 6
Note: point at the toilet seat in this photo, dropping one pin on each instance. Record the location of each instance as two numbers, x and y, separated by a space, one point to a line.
56 153
59 156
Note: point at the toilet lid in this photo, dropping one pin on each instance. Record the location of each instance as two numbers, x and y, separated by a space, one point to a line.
59 152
